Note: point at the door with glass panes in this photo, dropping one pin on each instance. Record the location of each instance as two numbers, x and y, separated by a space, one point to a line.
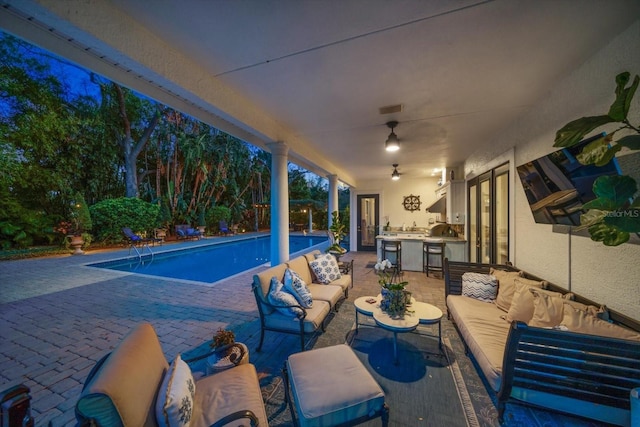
488 202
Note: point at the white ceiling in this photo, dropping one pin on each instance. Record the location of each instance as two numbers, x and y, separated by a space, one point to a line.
320 69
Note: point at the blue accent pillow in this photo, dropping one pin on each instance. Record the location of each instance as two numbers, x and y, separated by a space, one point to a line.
294 284
283 300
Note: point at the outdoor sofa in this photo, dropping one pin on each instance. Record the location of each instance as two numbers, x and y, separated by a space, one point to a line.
135 386
307 321
573 355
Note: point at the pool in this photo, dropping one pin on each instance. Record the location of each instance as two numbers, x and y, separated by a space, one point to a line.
213 262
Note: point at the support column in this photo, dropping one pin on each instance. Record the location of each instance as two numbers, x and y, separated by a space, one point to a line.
333 196
310 220
279 203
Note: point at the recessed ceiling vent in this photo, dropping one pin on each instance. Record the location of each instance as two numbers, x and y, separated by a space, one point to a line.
390 109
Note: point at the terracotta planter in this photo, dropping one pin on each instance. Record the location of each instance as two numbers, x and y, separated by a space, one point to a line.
76 243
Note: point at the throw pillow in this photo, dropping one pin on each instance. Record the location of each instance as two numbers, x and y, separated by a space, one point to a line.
483 287
506 286
580 321
522 303
174 405
294 284
325 268
547 310
285 302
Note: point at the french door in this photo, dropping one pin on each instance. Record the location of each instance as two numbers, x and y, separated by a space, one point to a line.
488 202
368 219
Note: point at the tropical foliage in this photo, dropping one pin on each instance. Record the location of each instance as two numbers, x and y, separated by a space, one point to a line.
615 213
71 133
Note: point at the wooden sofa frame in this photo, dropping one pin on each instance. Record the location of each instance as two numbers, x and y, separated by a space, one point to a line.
585 375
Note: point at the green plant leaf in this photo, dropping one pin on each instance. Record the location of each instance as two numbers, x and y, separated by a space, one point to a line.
601 203
632 142
617 189
625 219
573 132
620 107
591 217
610 236
598 152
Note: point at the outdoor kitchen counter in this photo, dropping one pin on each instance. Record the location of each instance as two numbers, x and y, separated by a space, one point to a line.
455 248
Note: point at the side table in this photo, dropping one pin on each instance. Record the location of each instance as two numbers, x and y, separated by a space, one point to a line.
216 363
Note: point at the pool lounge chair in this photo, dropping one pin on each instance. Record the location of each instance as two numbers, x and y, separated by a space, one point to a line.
135 240
224 228
185 231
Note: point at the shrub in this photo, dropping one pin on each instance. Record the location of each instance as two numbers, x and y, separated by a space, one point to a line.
217 214
111 215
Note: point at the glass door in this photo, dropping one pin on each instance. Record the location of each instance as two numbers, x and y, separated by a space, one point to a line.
488 199
368 219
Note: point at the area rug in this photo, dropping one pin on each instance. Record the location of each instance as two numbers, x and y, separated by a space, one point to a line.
425 388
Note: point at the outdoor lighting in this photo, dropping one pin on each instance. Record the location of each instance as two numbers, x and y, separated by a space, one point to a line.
395 175
392 143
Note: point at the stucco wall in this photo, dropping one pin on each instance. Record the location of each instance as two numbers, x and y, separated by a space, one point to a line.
610 275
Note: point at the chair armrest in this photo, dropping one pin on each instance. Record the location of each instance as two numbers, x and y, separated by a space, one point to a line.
237 416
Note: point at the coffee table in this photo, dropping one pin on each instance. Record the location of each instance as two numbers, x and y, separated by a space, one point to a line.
423 313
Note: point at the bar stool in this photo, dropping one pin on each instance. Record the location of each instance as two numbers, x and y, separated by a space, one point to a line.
393 247
431 251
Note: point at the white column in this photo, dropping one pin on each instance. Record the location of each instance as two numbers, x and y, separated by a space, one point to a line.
333 196
279 203
310 220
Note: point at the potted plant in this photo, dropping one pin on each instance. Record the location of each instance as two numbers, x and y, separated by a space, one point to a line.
337 233
222 340
615 213
202 223
76 229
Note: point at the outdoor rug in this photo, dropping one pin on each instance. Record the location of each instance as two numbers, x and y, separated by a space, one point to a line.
424 389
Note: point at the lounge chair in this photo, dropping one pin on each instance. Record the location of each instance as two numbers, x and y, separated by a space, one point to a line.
224 228
185 231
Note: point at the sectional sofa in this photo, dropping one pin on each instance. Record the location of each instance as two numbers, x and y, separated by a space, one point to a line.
538 344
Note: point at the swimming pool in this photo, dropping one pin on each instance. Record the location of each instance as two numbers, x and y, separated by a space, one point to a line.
213 262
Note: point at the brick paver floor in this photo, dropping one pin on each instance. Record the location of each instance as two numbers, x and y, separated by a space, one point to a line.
60 316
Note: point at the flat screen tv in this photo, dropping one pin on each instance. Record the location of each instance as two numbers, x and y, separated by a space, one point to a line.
557 185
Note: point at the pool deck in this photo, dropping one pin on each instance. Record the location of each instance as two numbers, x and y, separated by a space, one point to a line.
60 316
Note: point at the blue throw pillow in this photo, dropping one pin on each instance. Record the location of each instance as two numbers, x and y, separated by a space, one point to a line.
294 284
282 299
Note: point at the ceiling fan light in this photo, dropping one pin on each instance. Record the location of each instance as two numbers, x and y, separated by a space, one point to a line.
392 143
395 175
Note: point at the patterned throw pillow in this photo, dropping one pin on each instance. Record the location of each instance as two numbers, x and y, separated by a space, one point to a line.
278 297
294 284
483 287
174 405
326 268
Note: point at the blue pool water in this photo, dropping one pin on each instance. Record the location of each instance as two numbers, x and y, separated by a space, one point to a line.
212 262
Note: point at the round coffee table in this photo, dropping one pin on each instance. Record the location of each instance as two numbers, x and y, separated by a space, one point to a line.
363 306
409 322
429 315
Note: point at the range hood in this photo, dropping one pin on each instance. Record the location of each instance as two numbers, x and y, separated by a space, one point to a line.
439 206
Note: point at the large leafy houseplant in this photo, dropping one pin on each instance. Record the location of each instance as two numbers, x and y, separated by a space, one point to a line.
337 230
615 212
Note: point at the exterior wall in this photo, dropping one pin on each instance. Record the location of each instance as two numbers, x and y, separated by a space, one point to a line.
391 197
609 275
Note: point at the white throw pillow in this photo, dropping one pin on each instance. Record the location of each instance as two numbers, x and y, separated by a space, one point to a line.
326 268
294 284
483 287
174 405
279 297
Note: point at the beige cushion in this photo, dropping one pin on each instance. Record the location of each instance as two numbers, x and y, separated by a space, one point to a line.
547 310
330 293
506 286
123 391
484 332
344 282
580 321
331 387
313 320
226 392
174 405
522 303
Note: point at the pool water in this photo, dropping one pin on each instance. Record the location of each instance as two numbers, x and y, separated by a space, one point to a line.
212 262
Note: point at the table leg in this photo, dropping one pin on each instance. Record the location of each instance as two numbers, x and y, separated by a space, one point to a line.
356 321
440 334
395 348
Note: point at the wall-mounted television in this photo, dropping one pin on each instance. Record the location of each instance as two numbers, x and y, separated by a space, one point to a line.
557 185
